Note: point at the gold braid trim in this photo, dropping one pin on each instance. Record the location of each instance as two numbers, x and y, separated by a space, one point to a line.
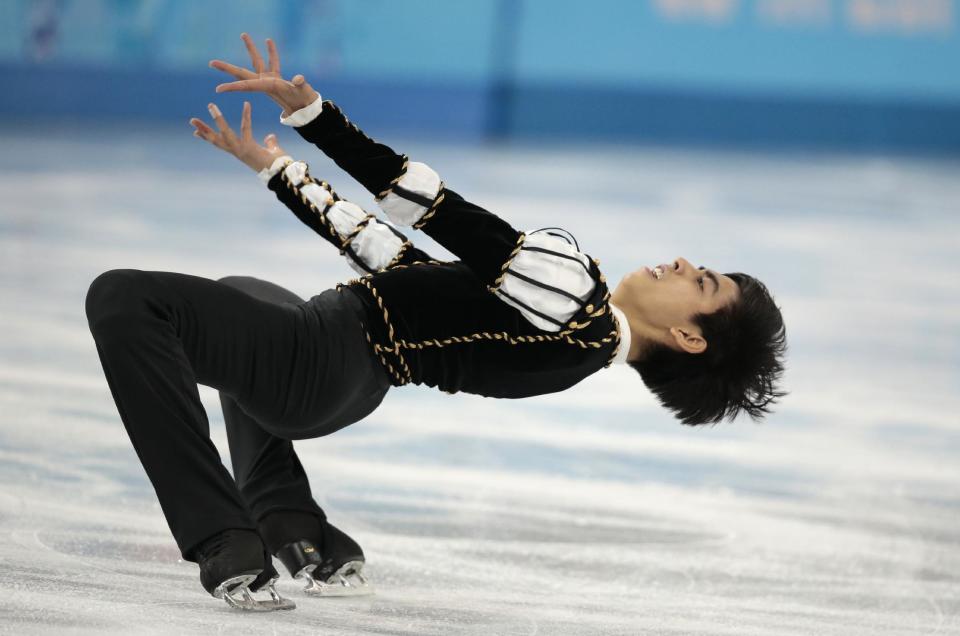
391 265
344 241
563 335
383 360
376 348
396 180
394 262
307 202
504 336
406 160
596 344
429 262
353 234
506 264
346 119
616 347
576 326
432 209
407 375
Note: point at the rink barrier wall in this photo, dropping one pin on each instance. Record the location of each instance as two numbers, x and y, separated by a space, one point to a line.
718 119
480 112
39 92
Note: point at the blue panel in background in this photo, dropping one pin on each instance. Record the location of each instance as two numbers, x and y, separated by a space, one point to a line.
426 39
446 110
669 116
827 48
857 74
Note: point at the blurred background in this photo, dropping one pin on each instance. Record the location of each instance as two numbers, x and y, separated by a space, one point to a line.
811 143
866 74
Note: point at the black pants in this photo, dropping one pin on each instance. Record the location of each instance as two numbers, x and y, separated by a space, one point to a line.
286 369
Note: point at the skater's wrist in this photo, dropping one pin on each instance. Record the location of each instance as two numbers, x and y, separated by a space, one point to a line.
301 114
270 171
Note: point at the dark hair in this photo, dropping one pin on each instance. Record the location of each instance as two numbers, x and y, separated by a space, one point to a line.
738 371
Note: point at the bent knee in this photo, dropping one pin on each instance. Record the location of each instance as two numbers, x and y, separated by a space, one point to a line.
113 292
261 289
236 281
247 284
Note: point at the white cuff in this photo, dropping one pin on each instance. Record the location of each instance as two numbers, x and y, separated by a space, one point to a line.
267 173
305 115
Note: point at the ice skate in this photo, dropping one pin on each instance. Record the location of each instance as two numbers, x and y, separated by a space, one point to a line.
233 565
331 567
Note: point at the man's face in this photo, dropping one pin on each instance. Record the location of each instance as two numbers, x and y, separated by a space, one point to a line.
664 298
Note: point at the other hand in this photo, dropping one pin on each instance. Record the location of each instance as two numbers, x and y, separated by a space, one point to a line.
290 95
244 147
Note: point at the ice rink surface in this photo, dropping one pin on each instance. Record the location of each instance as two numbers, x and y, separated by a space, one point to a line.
585 512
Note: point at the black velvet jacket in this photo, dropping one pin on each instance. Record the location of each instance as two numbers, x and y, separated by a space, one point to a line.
436 322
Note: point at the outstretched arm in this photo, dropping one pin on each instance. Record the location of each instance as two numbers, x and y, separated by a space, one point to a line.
541 274
552 283
368 244
410 193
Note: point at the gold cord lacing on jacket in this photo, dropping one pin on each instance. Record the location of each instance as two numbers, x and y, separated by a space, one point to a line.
403 375
437 200
396 259
321 214
434 205
352 235
506 264
407 376
395 180
298 191
397 344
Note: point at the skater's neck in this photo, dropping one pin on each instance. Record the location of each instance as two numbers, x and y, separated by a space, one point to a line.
636 342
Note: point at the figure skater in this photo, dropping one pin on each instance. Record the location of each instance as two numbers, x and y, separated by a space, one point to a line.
519 314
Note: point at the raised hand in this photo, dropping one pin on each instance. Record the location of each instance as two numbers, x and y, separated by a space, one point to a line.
244 147
290 95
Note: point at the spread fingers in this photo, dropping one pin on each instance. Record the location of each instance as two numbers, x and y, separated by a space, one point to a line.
246 130
273 56
232 69
264 85
201 129
219 120
254 53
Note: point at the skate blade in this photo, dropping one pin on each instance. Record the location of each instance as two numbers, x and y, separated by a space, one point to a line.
236 592
347 581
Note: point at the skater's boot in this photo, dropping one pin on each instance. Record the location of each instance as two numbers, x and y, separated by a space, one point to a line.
314 550
234 563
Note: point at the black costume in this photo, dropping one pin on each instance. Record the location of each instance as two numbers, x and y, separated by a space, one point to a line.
292 369
437 323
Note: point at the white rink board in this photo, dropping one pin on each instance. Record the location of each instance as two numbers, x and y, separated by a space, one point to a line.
586 512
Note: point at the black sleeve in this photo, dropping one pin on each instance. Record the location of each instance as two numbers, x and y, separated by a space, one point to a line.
314 216
485 242
372 164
